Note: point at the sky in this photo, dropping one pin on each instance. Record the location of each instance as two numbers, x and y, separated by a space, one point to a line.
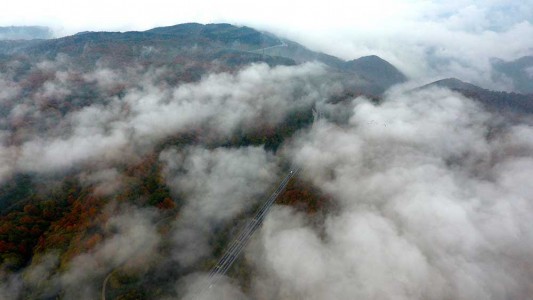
426 39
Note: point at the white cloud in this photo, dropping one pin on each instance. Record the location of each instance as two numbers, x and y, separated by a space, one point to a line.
132 243
529 72
196 287
7 156
216 186
118 129
430 206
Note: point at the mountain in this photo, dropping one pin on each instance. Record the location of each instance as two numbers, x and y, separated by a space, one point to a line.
204 42
138 78
25 33
519 71
376 69
243 38
130 162
202 47
375 73
456 85
492 100
301 54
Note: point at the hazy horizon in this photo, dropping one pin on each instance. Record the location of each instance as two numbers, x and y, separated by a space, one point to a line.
424 39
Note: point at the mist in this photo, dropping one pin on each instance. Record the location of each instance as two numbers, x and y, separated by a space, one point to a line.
433 203
115 129
429 193
217 186
51 133
128 241
427 40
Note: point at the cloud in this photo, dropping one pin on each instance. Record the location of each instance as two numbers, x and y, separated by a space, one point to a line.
42 155
219 183
106 181
9 91
69 133
40 278
425 39
224 101
6 160
529 72
433 203
10 287
198 287
433 192
216 186
430 50
132 243
71 122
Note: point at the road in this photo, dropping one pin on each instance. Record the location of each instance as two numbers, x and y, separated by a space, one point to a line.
106 279
238 244
282 44
105 283
242 239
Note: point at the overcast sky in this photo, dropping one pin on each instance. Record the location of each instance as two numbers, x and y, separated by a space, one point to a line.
424 38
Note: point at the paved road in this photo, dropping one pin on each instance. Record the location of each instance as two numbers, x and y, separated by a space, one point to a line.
242 239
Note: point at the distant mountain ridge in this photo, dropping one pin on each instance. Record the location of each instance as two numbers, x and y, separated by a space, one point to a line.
493 100
376 68
519 72
456 84
25 32
225 33
228 44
